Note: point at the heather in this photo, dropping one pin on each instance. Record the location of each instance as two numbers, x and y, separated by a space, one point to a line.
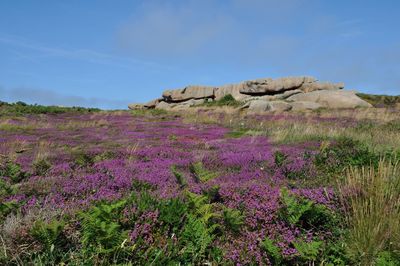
161 188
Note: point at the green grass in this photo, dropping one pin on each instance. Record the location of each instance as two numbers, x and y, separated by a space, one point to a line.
371 196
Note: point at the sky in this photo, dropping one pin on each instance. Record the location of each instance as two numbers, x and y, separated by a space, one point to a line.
109 53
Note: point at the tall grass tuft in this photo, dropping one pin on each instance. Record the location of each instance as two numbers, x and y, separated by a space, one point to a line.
372 204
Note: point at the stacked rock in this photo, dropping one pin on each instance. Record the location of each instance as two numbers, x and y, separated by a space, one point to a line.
260 95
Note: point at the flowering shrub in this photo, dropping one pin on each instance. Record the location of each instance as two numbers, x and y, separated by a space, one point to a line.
148 188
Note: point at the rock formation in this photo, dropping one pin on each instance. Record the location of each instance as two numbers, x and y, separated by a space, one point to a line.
263 95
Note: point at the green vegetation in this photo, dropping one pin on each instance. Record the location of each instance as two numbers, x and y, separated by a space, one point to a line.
372 200
21 108
227 100
380 100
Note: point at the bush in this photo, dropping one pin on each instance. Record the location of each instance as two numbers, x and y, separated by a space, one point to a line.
227 100
335 158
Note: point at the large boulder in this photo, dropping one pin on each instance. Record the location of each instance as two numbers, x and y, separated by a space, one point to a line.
259 106
314 86
152 104
189 103
232 89
164 106
270 86
135 106
334 99
304 106
190 92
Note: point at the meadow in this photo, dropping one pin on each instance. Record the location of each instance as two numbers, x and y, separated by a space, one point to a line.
210 186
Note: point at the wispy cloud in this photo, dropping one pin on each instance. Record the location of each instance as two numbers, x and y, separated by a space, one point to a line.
87 55
48 97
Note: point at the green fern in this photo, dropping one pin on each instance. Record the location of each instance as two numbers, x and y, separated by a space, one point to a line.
201 208
180 179
273 252
293 209
101 230
6 208
48 234
233 219
5 188
308 251
172 212
200 173
13 171
197 238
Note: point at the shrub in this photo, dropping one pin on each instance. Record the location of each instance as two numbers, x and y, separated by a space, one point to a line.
372 206
227 100
335 158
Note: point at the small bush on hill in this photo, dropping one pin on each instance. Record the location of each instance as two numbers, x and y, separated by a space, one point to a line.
227 100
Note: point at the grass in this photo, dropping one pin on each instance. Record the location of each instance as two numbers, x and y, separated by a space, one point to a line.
372 200
378 128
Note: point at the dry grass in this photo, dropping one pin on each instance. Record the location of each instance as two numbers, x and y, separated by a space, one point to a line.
372 203
73 125
372 124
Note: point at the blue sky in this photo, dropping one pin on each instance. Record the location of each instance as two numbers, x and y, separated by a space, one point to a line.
110 53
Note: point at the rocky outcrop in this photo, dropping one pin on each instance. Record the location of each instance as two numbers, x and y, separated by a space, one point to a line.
152 104
270 86
303 106
136 106
259 106
187 93
334 99
231 89
263 95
